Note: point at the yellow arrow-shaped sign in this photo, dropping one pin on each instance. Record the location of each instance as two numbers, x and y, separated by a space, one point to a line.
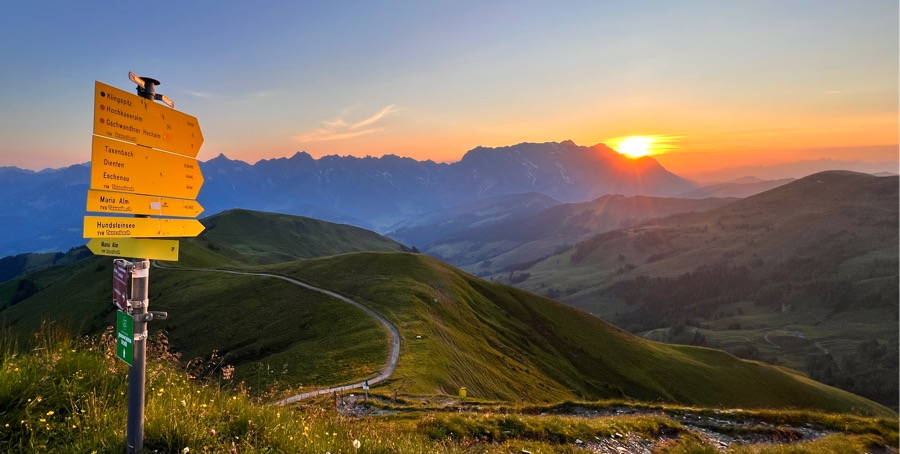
121 203
138 248
126 167
120 227
123 116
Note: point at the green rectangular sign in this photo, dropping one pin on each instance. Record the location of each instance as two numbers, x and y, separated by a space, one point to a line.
125 337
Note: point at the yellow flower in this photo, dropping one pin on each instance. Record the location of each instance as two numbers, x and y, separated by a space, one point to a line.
43 420
50 413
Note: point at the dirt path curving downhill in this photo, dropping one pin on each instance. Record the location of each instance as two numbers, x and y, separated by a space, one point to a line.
385 373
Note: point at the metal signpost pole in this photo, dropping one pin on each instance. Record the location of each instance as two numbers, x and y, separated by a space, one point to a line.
137 377
140 299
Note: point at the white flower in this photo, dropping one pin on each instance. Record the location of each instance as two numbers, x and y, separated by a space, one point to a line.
185 450
356 444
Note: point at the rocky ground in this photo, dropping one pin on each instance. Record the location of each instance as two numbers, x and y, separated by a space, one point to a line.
721 429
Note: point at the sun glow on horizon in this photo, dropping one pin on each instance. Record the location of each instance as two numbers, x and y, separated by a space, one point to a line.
635 146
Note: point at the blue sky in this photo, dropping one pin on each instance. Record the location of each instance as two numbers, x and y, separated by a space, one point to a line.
717 82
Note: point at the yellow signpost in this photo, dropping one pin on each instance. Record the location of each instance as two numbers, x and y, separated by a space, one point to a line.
119 227
121 203
132 247
142 163
123 116
126 167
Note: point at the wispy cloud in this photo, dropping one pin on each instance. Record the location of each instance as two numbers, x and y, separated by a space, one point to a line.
389 109
200 94
264 94
341 128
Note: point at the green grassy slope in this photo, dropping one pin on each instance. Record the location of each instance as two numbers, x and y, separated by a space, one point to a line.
804 274
256 237
77 295
458 331
270 330
17 265
504 343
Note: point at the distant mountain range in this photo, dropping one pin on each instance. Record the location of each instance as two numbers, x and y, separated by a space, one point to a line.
377 193
797 169
42 211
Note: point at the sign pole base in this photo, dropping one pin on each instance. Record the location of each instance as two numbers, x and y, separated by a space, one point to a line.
138 375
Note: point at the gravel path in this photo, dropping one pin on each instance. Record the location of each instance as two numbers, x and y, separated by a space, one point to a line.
385 373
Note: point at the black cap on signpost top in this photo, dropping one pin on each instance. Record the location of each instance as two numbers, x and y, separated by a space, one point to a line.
146 88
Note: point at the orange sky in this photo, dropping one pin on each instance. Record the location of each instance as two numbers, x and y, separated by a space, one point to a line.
728 83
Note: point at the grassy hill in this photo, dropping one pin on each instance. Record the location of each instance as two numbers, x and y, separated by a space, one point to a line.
17 265
227 314
742 188
458 331
506 244
256 237
503 343
804 275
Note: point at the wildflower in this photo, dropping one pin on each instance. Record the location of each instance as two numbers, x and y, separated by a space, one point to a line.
356 444
50 413
186 450
43 420
212 432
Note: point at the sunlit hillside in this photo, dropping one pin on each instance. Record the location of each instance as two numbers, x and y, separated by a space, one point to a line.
804 275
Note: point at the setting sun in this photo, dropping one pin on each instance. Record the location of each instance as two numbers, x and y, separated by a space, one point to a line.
635 146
